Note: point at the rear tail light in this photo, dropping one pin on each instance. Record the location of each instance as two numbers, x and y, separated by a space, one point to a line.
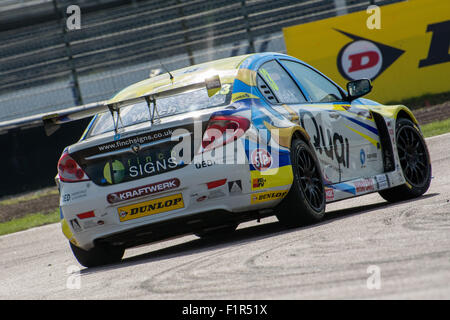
69 170
222 130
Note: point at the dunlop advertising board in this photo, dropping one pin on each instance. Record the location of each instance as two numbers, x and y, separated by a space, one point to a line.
405 55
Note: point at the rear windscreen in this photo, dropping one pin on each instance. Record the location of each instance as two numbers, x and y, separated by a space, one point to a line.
177 104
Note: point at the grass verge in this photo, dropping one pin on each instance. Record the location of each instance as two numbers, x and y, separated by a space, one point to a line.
10 200
436 128
29 221
425 100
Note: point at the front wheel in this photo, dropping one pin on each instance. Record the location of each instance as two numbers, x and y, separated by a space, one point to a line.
305 202
97 256
414 160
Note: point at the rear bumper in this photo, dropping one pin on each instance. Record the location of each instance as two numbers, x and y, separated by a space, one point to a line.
202 207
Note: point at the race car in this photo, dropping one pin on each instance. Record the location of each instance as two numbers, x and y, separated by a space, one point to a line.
204 148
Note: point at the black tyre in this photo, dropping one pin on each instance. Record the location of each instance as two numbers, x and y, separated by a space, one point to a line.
305 202
97 256
217 232
414 160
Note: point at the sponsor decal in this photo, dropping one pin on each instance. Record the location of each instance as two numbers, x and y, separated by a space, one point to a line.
86 215
364 58
75 225
345 187
143 190
150 167
372 156
147 208
140 139
414 44
261 159
193 69
331 171
135 147
269 79
362 157
382 181
235 186
258 183
123 214
89 224
272 178
243 95
365 185
215 194
216 184
268 196
114 172
329 193
126 165
204 164
440 40
74 196
213 85
332 144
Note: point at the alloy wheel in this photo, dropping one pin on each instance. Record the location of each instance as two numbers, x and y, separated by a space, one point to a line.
413 157
309 179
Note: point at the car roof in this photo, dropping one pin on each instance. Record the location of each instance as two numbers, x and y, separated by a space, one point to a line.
226 68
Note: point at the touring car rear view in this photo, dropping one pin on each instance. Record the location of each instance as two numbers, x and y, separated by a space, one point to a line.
202 149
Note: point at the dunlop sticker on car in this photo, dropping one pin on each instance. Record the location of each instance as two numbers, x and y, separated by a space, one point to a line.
267 196
154 206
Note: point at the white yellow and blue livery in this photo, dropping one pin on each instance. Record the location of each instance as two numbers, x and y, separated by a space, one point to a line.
202 149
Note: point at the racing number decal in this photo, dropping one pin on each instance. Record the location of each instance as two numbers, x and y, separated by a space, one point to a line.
225 89
261 159
338 146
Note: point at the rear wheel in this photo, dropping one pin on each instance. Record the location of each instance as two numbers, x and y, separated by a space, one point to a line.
414 160
97 256
305 202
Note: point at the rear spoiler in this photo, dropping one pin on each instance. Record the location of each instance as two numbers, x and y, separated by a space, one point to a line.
52 121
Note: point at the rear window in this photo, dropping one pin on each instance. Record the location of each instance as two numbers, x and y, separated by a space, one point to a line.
177 104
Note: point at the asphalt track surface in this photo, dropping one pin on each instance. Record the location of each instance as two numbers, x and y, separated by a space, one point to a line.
407 244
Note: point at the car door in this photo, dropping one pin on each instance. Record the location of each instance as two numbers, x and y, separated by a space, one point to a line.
349 129
285 96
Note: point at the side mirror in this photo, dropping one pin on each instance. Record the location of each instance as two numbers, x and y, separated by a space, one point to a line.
358 88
